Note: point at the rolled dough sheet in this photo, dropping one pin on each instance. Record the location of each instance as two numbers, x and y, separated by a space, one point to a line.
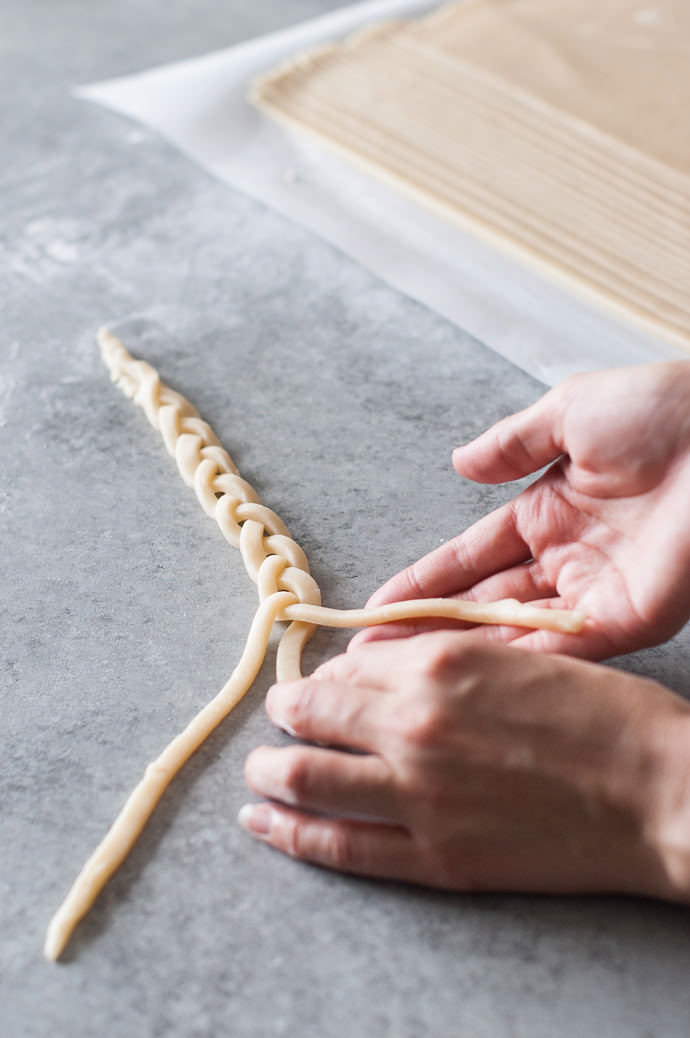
558 130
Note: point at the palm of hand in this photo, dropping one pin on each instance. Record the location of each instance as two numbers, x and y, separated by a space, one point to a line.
605 530
623 561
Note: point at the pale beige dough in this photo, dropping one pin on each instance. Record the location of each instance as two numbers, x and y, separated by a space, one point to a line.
286 592
557 129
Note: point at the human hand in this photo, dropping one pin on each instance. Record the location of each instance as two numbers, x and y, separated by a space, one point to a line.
479 767
605 530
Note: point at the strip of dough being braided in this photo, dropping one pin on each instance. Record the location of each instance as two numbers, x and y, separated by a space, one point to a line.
286 589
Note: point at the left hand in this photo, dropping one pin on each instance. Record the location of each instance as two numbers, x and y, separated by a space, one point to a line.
603 530
479 767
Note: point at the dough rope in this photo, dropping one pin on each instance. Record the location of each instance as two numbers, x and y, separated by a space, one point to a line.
287 592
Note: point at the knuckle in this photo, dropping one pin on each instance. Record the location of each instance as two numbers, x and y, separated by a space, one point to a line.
423 723
442 652
337 847
293 711
297 776
456 662
414 584
291 707
511 448
353 667
291 841
339 668
286 834
324 843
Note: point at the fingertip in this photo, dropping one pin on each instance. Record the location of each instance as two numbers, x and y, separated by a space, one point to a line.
278 700
475 461
458 456
249 765
467 462
515 446
256 819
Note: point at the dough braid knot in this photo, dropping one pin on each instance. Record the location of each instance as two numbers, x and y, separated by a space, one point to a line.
207 467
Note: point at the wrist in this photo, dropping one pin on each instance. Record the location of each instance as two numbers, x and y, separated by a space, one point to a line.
667 823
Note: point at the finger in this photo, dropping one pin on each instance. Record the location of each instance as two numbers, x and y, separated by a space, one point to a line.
345 710
592 643
362 848
394 632
370 668
525 582
492 544
517 445
384 667
316 779
407 629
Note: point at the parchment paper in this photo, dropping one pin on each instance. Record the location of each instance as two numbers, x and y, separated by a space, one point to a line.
201 105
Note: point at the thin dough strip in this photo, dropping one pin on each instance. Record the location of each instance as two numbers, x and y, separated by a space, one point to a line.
139 806
509 611
287 591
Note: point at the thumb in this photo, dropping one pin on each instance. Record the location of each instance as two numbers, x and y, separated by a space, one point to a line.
517 445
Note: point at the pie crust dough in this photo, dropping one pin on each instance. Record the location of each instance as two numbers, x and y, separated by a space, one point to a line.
287 592
558 130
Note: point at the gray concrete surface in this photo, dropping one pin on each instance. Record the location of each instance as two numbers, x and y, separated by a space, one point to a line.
123 609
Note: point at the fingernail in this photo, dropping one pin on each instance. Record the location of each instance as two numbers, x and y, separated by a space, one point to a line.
275 713
255 819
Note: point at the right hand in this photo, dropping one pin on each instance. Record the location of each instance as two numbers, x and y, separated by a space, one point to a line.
605 530
478 767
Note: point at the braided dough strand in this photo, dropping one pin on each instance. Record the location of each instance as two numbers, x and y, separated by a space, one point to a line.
287 592
258 531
